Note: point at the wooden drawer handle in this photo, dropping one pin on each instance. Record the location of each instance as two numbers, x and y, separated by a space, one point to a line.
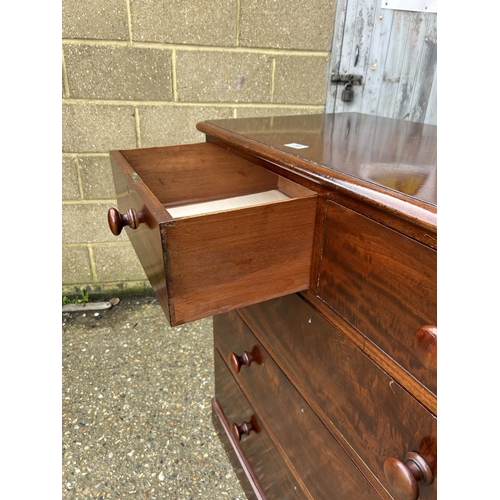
425 344
245 428
236 362
403 477
117 221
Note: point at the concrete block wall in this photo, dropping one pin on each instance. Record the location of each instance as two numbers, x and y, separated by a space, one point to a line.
139 73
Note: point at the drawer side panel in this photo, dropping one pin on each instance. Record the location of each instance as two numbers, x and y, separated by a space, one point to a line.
146 238
192 172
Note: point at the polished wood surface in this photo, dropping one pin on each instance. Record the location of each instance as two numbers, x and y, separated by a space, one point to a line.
314 455
118 221
213 262
404 477
412 385
190 173
245 428
383 161
380 281
246 359
358 401
221 261
425 345
132 193
257 462
326 372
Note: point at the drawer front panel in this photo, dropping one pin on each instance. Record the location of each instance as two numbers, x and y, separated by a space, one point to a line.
275 479
376 416
205 264
381 282
132 193
318 459
226 260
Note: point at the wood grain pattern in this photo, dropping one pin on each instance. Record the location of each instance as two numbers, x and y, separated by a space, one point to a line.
327 390
382 282
358 401
257 460
310 449
386 163
190 173
426 398
225 260
206 264
133 193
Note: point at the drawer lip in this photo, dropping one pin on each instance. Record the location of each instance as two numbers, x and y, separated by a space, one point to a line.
218 411
155 209
201 265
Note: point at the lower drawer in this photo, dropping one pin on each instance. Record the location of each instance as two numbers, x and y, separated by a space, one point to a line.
258 464
384 284
380 421
317 458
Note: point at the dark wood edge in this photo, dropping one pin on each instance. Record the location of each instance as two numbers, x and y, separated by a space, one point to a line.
419 213
247 469
386 217
383 215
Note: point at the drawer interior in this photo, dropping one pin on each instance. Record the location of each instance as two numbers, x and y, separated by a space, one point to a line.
216 231
232 203
202 178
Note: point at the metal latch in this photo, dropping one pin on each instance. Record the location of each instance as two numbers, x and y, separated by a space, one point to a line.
352 79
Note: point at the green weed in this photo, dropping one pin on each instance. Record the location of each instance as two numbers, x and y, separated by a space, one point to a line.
76 300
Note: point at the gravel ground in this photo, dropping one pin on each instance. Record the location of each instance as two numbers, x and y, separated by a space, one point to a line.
136 411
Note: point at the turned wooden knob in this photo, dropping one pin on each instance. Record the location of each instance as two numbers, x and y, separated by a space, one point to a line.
236 362
425 345
403 477
245 428
117 221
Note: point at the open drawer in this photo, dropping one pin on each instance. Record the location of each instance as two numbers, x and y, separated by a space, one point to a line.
212 230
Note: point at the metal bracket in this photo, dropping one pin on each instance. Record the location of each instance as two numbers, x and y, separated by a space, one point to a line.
352 79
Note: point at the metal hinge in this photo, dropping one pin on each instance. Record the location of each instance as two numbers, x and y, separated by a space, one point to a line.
352 79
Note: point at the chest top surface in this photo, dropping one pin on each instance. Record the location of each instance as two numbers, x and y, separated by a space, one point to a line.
387 155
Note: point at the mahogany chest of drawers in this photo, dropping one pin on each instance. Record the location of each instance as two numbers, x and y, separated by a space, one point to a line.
312 241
